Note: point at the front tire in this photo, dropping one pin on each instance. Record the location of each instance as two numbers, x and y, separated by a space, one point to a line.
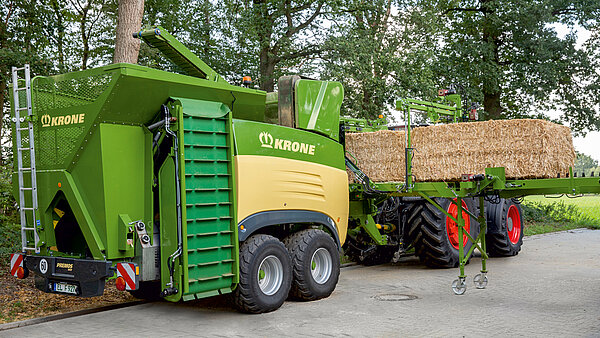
505 228
316 264
265 275
436 236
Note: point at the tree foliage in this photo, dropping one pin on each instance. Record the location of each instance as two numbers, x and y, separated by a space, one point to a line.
380 50
586 164
508 55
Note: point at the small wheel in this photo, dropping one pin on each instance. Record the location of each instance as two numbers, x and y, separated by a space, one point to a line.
265 275
480 280
315 263
459 286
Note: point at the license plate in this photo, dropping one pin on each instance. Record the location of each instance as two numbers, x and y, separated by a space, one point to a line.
65 288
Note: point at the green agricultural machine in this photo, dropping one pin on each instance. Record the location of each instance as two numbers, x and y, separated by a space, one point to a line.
183 186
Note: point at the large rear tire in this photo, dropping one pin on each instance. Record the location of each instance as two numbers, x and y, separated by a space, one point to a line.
315 262
435 236
265 275
505 228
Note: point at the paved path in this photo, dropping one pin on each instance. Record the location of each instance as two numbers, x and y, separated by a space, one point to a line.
552 288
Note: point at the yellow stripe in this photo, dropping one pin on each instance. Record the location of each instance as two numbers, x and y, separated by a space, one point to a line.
267 183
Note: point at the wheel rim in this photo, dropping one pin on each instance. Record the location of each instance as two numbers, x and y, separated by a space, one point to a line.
452 227
270 275
321 265
513 224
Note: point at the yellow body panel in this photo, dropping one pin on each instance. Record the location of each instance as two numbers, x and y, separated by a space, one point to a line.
266 183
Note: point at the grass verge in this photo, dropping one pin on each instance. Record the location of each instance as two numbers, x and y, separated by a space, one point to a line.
543 215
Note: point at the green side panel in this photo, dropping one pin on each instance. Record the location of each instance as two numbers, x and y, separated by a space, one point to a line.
125 184
318 106
168 225
211 236
254 138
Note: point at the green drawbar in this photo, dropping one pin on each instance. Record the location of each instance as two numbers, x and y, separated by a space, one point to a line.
209 199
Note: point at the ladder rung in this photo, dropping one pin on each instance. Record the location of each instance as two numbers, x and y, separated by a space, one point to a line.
19 69
26 188
28 229
19 89
25 169
24 108
23 128
27 209
21 149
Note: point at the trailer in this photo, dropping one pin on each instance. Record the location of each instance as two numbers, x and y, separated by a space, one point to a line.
183 186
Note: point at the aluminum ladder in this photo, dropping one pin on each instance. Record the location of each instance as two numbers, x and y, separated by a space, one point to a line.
23 171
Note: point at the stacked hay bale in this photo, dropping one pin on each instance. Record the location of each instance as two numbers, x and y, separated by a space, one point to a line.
380 154
525 148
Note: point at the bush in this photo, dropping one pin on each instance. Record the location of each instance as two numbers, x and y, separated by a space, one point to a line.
556 212
10 233
10 240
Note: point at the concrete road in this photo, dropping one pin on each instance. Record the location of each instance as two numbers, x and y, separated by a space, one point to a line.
552 288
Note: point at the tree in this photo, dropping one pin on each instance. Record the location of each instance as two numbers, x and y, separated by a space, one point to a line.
129 20
508 56
282 34
94 20
379 51
23 39
585 164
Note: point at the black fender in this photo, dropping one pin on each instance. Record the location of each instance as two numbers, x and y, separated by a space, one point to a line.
263 219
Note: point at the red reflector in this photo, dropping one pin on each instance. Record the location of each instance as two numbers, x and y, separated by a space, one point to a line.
121 284
21 273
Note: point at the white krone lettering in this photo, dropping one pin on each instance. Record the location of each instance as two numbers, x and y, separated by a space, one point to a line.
61 120
75 118
54 120
68 119
295 147
281 144
81 116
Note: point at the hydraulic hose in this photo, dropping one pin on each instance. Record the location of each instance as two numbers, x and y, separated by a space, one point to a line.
171 262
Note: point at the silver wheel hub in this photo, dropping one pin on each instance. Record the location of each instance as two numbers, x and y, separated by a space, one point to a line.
321 265
270 275
509 224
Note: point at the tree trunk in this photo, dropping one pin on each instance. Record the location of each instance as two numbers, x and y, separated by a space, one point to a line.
129 21
60 38
491 104
491 87
267 69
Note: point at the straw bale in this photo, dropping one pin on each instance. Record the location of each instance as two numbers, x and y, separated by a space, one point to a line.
380 154
526 148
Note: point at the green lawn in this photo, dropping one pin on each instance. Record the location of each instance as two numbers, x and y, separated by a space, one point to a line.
544 214
589 204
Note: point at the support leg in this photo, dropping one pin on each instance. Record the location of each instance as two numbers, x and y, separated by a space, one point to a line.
459 286
480 280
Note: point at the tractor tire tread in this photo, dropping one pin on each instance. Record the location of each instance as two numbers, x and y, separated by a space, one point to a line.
298 244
